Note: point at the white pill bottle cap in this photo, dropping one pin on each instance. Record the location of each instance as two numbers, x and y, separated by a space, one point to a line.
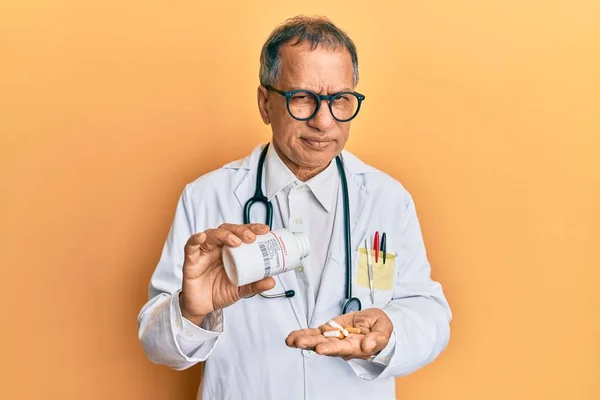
270 254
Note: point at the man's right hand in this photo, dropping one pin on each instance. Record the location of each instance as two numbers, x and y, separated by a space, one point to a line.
205 286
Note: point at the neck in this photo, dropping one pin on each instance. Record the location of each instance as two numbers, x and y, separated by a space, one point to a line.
302 173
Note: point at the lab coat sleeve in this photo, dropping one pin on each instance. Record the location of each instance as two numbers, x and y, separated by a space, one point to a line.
419 310
166 337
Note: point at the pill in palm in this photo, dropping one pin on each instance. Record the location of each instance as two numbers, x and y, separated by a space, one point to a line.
335 325
335 334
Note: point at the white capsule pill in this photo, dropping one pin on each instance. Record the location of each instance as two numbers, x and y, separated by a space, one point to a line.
336 334
334 324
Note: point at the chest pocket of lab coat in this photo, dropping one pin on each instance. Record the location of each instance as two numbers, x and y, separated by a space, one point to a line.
384 277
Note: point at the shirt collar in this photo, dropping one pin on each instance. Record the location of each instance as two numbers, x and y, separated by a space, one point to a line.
278 176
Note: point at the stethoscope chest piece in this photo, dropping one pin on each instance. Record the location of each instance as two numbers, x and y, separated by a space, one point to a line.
351 305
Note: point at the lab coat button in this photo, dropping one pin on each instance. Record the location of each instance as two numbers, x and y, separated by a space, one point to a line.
300 269
307 353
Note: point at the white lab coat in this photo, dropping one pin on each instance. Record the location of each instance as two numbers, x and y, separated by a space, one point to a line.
249 358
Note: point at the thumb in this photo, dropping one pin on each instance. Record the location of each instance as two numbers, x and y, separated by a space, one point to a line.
192 246
257 287
373 342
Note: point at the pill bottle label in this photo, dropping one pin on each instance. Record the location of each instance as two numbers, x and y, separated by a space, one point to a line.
274 254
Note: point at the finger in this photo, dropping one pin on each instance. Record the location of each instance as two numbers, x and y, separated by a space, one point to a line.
311 341
302 332
339 348
197 248
247 233
196 259
257 287
256 229
302 337
241 231
259 229
263 285
348 358
374 342
219 237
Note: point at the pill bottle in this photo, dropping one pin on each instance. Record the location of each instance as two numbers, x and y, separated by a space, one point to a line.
270 254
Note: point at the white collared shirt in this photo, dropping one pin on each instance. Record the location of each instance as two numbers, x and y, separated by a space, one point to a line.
307 207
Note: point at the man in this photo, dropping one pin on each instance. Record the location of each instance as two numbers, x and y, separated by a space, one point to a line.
261 347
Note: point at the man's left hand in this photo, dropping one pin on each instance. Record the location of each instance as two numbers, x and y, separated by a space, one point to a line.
375 326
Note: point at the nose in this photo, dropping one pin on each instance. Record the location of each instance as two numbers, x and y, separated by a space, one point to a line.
323 120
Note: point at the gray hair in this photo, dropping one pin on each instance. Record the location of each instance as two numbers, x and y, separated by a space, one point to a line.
314 31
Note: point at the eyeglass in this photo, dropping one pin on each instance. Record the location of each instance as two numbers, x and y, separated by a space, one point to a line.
303 104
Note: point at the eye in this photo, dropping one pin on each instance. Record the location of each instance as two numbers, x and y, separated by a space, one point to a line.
303 98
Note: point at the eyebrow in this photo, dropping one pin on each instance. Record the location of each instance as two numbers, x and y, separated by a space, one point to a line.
332 92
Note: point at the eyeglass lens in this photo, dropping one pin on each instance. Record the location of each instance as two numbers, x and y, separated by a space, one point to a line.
304 104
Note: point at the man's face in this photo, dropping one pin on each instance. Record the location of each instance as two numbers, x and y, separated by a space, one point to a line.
308 145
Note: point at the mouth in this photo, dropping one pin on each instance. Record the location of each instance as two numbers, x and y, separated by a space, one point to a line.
317 144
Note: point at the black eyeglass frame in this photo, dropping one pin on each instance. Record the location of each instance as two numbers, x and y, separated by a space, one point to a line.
320 97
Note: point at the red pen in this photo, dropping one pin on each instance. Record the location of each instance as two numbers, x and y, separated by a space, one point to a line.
376 246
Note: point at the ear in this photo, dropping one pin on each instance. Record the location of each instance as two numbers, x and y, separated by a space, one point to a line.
263 104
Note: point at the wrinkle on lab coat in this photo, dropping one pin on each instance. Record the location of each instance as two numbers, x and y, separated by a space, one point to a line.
243 346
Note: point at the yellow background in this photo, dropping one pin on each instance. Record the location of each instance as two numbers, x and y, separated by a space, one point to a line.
487 111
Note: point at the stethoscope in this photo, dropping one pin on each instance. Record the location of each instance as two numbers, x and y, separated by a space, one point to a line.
350 303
